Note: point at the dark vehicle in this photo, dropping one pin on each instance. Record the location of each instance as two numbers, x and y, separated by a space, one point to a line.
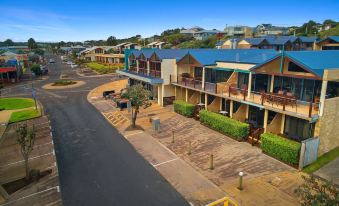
105 94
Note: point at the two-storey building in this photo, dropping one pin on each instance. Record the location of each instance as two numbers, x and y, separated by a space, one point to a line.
294 94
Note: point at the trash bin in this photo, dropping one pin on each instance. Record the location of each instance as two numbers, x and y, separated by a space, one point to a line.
156 124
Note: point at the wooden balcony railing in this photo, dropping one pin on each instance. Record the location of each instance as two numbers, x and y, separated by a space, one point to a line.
132 69
155 73
142 71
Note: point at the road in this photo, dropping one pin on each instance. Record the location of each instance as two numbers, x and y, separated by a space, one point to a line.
97 166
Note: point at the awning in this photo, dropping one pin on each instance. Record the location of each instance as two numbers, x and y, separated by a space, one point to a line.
144 78
7 69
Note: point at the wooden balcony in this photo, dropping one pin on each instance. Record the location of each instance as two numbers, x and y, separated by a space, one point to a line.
275 101
155 73
142 71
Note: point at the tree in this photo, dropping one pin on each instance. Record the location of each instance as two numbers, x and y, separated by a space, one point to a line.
39 52
36 69
111 41
138 97
9 42
315 191
26 138
32 44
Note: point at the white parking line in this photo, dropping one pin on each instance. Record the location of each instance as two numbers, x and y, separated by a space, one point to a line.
165 162
127 135
13 163
31 195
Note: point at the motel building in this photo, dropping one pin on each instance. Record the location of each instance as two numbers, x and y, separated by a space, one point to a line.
103 55
294 94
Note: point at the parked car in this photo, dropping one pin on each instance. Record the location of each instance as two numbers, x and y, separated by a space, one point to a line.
74 66
69 62
51 61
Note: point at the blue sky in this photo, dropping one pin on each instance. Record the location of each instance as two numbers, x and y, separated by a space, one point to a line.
73 20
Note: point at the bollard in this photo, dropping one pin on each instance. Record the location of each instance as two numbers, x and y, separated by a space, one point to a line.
189 149
241 174
211 162
172 136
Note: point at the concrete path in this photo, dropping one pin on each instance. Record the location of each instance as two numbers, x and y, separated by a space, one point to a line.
196 188
330 171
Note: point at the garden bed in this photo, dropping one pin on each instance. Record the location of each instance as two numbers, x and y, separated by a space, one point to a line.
64 83
101 68
225 125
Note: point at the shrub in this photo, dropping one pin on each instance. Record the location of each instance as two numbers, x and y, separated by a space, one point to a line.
230 127
280 148
100 68
63 83
184 108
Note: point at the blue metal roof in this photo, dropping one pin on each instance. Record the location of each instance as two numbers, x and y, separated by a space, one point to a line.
333 38
305 39
316 61
219 43
253 56
281 40
171 53
254 41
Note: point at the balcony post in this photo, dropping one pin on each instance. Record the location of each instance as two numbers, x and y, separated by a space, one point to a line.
249 86
229 91
203 79
216 88
170 79
137 66
194 82
310 110
148 68
265 119
322 95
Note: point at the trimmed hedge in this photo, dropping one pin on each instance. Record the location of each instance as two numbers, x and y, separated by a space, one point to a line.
230 127
184 108
281 148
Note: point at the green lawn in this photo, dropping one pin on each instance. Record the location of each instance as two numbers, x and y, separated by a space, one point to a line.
322 161
24 115
16 103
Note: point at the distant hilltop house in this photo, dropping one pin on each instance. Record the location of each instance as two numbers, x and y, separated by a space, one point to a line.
268 29
199 33
288 43
205 34
156 45
191 31
239 31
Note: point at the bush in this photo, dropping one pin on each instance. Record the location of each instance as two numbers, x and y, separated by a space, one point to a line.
184 108
100 68
281 148
63 82
36 69
230 127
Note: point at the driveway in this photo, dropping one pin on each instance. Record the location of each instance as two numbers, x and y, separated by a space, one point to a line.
97 166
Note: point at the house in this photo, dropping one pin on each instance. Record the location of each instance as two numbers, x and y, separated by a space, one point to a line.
268 29
307 43
205 34
103 54
10 71
293 93
249 43
329 43
239 31
156 45
191 31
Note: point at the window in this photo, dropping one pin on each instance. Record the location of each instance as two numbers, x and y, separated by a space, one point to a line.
332 89
242 79
256 117
236 106
293 67
298 129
